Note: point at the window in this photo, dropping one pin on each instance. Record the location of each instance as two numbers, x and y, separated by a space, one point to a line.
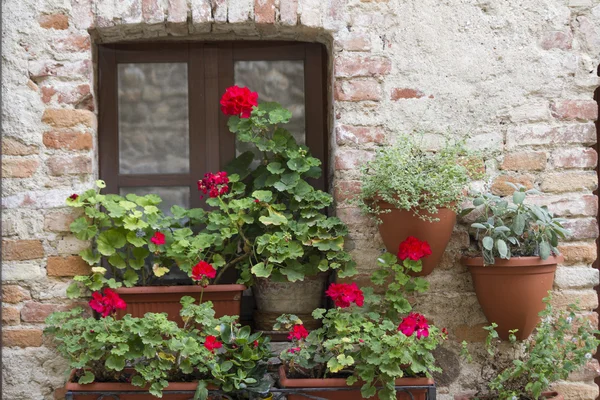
160 127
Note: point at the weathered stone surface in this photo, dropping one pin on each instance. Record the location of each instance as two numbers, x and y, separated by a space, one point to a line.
578 253
525 161
22 250
77 165
65 118
576 277
68 140
19 167
67 266
14 294
22 337
13 147
348 134
54 21
500 187
10 316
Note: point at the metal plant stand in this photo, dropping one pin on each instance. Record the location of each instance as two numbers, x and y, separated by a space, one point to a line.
278 394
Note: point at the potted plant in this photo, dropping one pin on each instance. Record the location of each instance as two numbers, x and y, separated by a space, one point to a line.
413 192
518 246
152 354
129 234
563 342
269 223
372 342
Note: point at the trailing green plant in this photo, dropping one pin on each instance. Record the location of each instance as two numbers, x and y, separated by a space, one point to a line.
410 178
505 229
563 342
152 351
367 337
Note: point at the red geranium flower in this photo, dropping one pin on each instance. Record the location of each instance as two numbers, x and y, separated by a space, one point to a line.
107 304
414 249
238 101
298 332
294 350
214 185
158 238
412 323
203 271
344 294
255 344
74 196
211 343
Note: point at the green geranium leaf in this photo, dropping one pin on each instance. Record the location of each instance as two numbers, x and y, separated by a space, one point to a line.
130 278
262 271
115 363
135 240
73 291
86 378
263 195
110 240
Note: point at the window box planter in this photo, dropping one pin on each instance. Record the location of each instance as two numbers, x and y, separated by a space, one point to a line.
226 299
397 225
425 388
126 391
510 292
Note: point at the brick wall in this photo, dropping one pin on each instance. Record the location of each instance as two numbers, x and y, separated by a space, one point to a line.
516 77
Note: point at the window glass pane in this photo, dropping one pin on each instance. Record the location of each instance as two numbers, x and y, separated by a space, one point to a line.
153 118
171 195
280 81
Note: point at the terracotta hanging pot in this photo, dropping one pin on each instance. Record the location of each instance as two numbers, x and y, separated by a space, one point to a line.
226 299
99 390
300 298
331 383
510 292
545 396
397 225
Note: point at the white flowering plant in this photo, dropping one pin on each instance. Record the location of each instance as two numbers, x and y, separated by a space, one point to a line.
563 342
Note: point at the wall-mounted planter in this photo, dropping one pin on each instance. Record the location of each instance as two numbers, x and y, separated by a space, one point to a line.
340 383
545 395
227 299
510 292
397 225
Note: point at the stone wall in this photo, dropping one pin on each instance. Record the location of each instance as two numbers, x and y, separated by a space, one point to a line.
516 77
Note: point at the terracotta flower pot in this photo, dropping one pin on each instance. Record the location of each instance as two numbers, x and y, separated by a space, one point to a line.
227 299
299 298
95 390
397 225
545 395
288 383
510 292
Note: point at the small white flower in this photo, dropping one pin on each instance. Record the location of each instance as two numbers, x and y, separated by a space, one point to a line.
381 260
574 340
569 319
588 355
514 398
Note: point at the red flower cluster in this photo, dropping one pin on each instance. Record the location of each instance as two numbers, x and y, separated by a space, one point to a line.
298 332
344 294
414 249
74 196
203 271
294 350
107 304
211 343
238 101
214 184
158 238
414 322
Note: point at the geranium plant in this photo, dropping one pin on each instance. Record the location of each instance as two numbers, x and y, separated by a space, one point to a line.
152 351
410 178
563 342
505 229
367 337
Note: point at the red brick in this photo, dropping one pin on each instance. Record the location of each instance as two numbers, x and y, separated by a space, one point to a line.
60 220
33 311
575 158
13 147
556 40
67 140
354 218
67 118
264 11
570 205
18 250
72 44
80 97
578 253
288 12
67 266
47 92
54 21
525 161
14 294
355 42
582 228
500 187
542 135
345 190
22 338
59 165
10 316
358 90
19 167
351 159
584 110
346 134
353 66
405 93
561 182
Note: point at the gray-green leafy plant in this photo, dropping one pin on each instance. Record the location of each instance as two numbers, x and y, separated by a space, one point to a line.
563 342
152 351
410 178
508 229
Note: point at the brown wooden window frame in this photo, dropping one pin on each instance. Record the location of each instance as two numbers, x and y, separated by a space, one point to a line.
210 71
